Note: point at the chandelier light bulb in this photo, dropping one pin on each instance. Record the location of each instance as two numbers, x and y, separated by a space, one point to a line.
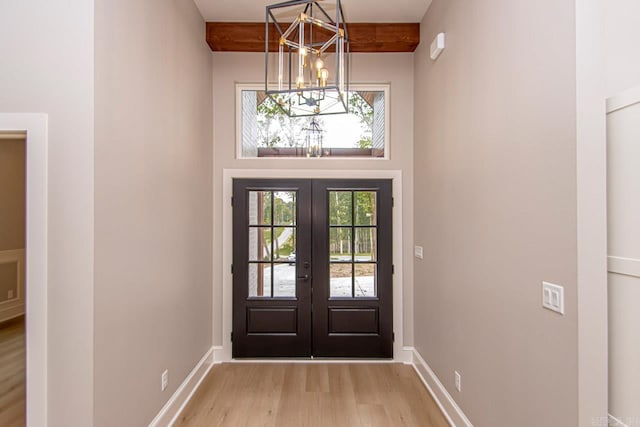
324 76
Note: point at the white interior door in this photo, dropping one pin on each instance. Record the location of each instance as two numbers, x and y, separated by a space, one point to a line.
623 157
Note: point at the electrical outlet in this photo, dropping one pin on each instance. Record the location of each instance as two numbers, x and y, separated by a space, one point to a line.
458 381
10 294
165 379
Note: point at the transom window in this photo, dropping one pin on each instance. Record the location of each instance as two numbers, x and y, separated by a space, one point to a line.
265 131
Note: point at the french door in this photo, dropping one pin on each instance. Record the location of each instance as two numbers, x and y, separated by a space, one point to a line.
312 268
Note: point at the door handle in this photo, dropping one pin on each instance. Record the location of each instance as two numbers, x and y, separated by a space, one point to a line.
304 278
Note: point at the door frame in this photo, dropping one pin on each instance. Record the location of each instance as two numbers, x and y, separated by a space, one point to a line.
33 127
223 353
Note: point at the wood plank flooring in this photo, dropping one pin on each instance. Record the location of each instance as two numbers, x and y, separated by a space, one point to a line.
298 394
12 373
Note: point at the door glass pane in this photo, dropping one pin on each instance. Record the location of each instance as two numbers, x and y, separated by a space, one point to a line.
260 244
284 243
284 206
365 280
259 207
260 280
365 207
353 243
284 280
340 207
272 243
340 239
365 245
341 284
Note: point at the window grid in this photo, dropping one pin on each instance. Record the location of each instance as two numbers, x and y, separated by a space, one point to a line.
353 227
272 236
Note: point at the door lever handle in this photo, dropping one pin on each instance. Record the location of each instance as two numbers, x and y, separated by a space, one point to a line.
304 278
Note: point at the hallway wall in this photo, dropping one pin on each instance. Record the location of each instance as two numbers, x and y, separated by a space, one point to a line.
495 156
153 204
46 66
12 195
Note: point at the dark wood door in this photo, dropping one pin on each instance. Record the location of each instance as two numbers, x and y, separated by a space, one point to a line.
312 271
352 269
271 276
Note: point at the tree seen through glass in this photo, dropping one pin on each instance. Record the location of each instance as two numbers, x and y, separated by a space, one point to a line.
353 243
354 130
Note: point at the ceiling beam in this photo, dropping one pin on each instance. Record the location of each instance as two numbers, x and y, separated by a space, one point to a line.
363 37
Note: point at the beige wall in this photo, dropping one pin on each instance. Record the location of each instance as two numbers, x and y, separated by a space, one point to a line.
153 187
623 157
622 37
396 69
8 281
12 213
495 156
12 194
46 57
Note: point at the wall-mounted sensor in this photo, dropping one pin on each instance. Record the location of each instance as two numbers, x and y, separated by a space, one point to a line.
437 46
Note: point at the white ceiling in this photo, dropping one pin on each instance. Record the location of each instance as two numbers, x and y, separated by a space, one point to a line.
354 10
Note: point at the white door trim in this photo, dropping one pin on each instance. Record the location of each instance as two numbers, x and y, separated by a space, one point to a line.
400 353
34 127
591 187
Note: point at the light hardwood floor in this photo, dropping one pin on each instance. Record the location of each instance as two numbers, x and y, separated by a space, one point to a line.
12 373
297 394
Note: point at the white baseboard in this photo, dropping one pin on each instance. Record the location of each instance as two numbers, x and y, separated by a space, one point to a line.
175 405
223 355
218 354
404 355
445 402
614 422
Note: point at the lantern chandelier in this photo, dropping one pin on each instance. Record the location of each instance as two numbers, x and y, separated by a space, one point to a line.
313 138
309 75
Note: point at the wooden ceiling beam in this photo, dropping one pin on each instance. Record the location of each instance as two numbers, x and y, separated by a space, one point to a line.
364 37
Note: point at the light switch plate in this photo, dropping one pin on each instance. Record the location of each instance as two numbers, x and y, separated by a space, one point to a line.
165 380
553 297
419 252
